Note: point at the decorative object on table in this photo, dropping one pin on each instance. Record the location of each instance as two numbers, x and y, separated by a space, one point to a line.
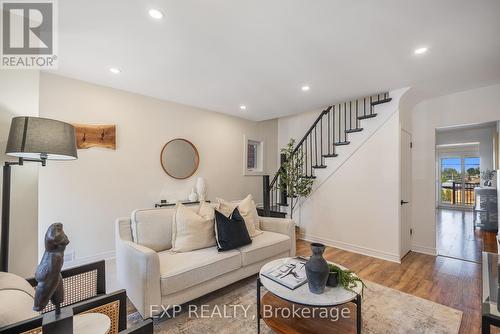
291 273
193 196
317 269
346 278
487 175
32 139
291 175
163 201
201 189
48 273
230 232
179 158
88 136
333 280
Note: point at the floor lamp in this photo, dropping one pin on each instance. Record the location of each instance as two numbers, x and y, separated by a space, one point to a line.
32 139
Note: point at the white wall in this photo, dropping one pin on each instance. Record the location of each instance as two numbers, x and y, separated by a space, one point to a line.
19 97
468 107
357 208
87 195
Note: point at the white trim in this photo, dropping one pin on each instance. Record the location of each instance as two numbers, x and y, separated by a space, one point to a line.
89 259
424 250
352 248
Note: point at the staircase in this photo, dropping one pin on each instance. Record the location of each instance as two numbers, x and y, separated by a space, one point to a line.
331 129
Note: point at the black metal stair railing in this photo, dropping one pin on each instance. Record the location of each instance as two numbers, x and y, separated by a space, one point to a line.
330 129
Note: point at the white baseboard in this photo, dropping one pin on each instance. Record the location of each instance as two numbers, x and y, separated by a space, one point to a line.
89 259
424 250
352 248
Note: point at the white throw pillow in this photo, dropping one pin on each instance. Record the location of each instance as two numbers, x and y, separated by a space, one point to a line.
191 230
248 211
16 299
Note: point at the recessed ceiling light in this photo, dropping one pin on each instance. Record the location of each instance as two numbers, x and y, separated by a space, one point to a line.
420 51
305 88
155 14
242 107
115 70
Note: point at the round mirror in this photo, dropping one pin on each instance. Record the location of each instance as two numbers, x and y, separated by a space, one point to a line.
179 158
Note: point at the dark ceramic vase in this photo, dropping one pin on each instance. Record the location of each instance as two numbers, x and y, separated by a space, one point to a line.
317 269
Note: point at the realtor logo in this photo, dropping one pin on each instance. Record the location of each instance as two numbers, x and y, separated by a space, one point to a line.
28 34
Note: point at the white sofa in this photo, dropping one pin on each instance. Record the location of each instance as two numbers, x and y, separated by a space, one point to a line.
155 277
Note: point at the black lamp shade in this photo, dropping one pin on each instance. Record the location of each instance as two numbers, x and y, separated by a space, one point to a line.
41 138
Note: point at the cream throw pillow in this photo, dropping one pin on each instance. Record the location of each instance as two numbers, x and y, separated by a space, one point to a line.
191 230
248 211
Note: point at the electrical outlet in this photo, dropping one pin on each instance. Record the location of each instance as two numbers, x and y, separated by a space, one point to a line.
69 256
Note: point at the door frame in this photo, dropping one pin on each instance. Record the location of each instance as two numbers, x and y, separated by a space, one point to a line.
405 249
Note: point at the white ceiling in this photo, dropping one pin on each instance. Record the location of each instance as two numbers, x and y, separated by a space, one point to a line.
220 54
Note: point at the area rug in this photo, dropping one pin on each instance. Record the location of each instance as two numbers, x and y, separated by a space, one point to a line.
384 311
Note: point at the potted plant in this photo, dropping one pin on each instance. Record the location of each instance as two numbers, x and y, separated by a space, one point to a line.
291 173
346 278
487 175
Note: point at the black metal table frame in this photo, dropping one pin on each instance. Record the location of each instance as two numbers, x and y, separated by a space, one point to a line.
488 320
356 301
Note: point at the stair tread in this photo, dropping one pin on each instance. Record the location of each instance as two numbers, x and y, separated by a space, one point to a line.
340 143
354 130
389 99
367 116
330 155
319 166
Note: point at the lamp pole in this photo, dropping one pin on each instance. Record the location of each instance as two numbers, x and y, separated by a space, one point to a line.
4 241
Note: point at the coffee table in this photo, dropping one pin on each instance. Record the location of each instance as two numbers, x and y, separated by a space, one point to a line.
301 296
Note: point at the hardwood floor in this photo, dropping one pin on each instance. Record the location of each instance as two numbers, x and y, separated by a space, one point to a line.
457 237
444 280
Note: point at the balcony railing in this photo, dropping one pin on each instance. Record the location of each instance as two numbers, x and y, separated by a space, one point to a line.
451 193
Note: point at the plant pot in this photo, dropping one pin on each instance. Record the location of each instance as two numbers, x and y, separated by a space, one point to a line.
317 269
333 280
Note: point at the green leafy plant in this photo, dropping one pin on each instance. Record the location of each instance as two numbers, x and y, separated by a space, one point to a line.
347 279
291 173
488 174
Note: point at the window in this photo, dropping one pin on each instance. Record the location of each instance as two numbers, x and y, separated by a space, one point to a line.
252 151
459 175
253 157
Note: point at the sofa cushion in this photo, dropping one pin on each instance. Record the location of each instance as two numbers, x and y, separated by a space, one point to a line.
16 299
191 230
179 271
248 211
152 228
230 232
263 246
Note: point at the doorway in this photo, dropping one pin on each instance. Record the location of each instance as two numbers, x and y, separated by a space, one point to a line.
462 153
